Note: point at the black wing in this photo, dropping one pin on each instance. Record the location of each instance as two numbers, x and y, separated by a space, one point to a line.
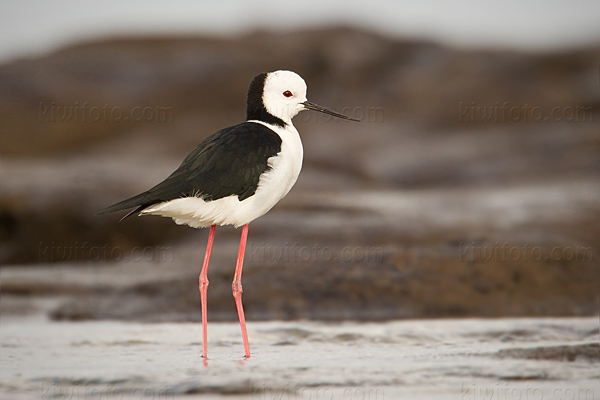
227 163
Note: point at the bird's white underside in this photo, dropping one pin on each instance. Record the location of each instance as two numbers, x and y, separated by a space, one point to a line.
272 187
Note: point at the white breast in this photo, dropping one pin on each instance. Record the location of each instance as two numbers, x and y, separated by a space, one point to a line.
272 187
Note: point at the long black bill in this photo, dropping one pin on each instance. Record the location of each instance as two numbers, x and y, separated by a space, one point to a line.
312 106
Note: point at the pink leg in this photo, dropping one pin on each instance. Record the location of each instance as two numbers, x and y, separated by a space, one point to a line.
237 289
203 284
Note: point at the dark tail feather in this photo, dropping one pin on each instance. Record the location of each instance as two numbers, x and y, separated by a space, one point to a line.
134 211
125 205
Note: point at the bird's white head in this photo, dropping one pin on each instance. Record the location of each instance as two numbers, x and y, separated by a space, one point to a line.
283 94
277 97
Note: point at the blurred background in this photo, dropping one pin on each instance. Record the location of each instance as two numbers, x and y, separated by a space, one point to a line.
469 189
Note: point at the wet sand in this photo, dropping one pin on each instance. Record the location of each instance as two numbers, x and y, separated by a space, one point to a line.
442 359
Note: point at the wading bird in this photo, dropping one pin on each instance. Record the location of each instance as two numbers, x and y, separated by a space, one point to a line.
236 175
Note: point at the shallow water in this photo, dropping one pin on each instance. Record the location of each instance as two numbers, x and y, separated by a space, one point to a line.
415 359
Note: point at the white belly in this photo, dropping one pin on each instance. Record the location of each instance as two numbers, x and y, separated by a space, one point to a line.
272 187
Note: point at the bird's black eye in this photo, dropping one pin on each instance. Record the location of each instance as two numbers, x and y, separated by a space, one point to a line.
287 93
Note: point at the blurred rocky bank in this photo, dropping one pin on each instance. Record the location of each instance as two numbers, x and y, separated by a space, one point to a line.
470 188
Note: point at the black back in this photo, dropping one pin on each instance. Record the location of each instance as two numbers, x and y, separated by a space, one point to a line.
229 162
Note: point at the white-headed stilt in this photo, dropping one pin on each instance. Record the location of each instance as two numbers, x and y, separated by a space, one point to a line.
236 175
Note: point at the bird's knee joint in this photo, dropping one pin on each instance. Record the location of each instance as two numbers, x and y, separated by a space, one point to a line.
203 283
236 286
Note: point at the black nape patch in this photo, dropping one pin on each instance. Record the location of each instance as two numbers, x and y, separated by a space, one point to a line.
255 109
